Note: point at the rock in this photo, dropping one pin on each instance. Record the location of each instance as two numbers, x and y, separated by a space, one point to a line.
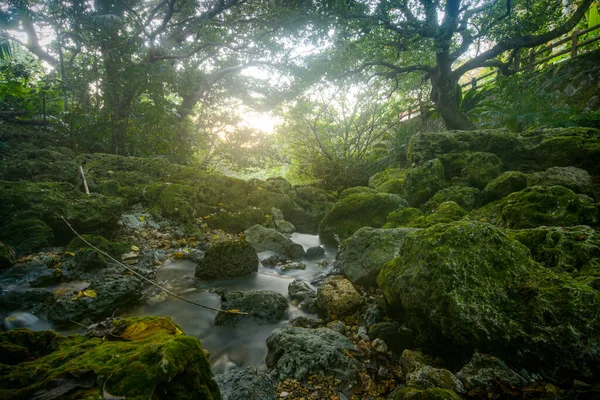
408 393
466 197
576 179
262 239
138 220
106 294
248 383
446 212
428 377
379 346
387 179
337 326
236 221
304 322
262 304
50 164
495 296
27 235
193 255
403 217
298 353
114 249
505 184
19 319
315 252
411 361
423 181
292 266
364 253
227 260
280 223
157 358
370 314
7 256
356 211
485 371
274 260
305 296
35 301
354 190
337 297
476 169
172 201
322 263
538 206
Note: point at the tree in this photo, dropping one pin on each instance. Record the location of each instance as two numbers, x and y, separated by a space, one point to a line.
444 39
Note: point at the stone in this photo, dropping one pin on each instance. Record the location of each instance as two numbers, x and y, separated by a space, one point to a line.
409 393
477 169
354 190
261 304
280 223
236 221
262 239
249 383
503 185
484 371
315 252
428 377
305 322
446 212
495 296
337 297
305 296
7 256
411 361
371 313
27 235
292 266
423 181
466 197
382 180
36 301
274 260
193 255
337 326
297 353
50 164
379 346
362 255
227 260
576 179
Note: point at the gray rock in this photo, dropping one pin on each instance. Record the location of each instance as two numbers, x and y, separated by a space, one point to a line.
274 260
293 265
484 370
299 353
576 179
227 260
379 346
262 304
262 239
337 297
35 301
428 377
280 223
370 314
305 296
410 361
362 256
305 322
194 255
337 326
315 252
246 384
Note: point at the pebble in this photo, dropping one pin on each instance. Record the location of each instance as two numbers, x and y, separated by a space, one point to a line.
379 346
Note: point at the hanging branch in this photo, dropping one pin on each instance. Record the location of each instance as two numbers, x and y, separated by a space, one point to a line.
237 312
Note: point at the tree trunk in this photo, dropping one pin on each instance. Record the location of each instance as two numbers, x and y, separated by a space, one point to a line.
446 98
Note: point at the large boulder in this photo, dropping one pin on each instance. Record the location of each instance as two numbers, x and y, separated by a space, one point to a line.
484 371
236 221
298 353
248 383
226 260
138 359
280 223
423 181
50 164
505 184
27 235
364 253
446 212
261 304
474 169
538 206
466 197
468 285
337 297
576 179
356 211
303 295
262 239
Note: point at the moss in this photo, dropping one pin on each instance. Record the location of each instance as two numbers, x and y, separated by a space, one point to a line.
20 345
505 184
7 256
448 211
27 235
354 212
425 394
538 206
467 285
115 249
173 201
355 190
236 222
403 217
390 174
422 182
39 165
227 260
475 168
466 197
160 366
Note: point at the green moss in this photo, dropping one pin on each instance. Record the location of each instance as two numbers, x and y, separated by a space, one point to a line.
505 184
49 164
354 212
422 182
159 366
27 235
538 206
448 211
7 256
236 222
355 190
425 394
467 285
226 260
115 249
475 168
174 201
403 217
390 174
466 197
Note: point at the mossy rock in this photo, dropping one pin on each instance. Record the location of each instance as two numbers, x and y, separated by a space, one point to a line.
505 184
538 206
409 393
52 164
355 190
314 204
466 197
355 211
48 201
477 169
236 222
278 185
163 364
226 260
7 256
174 201
423 181
446 212
573 249
467 285
114 249
576 179
403 217
390 174
27 235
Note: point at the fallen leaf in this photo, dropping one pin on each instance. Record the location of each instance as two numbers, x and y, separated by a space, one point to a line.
178 254
135 248
89 293
70 253
142 218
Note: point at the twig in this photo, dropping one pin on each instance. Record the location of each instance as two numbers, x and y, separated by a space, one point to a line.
148 280
85 186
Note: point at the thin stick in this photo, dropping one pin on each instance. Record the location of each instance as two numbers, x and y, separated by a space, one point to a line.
148 280
85 186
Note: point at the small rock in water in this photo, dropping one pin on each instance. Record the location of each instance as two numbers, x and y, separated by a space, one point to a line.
274 260
19 319
314 252
323 263
293 265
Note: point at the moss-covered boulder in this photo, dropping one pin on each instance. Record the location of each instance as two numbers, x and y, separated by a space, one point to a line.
236 221
51 164
173 201
355 190
576 179
314 203
138 359
226 260
475 169
466 197
537 206
575 249
385 176
7 256
27 235
356 211
364 253
268 239
446 212
467 285
423 181
47 202
114 249
505 184
337 297
403 217
264 305
409 393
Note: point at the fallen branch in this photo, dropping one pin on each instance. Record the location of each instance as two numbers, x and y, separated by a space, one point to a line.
140 276
85 186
